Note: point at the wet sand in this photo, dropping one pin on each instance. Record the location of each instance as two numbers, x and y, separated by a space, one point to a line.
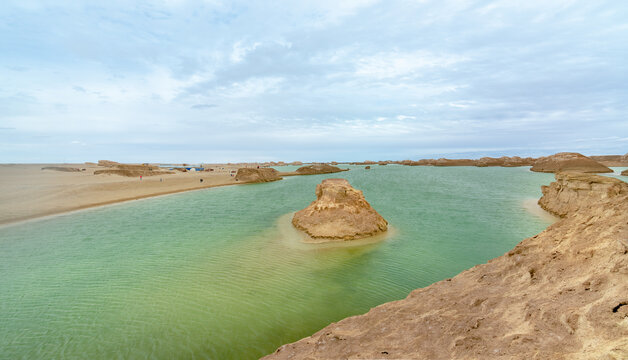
27 191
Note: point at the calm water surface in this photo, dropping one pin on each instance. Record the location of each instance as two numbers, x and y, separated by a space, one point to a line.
212 274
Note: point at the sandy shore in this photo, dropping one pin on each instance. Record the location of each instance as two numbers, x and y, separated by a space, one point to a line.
27 191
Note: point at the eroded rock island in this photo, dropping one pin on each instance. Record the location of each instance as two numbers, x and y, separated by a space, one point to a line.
252 175
567 161
339 212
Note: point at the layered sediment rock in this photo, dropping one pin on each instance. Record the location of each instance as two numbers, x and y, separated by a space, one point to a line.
624 173
318 169
573 191
257 175
482 162
560 294
62 168
611 160
339 212
568 162
130 170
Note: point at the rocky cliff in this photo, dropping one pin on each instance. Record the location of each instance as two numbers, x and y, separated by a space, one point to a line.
568 162
574 191
339 212
252 175
562 294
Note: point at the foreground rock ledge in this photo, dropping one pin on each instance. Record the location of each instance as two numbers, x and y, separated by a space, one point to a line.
562 294
339 212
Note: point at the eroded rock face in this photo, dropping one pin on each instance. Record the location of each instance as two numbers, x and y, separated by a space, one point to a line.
339 212
624 173
318 169
568 162
561 294
573 191
257 175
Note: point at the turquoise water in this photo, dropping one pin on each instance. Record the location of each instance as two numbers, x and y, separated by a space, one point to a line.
213 274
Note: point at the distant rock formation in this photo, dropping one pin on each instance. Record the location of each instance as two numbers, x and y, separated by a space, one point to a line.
611 160
504 161
561 294
482 162
625 172
250 175
573 191
367 167
568 162
339 212
318 169
62 168
129 170
108 163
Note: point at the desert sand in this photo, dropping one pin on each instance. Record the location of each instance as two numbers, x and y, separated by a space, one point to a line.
27 191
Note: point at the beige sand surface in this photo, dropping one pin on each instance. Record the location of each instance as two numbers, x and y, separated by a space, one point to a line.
28 192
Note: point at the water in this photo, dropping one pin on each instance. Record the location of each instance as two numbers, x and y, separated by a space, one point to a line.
213 274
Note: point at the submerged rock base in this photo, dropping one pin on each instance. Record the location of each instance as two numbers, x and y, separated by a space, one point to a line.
560 294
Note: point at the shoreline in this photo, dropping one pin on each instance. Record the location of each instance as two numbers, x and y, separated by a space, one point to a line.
53 214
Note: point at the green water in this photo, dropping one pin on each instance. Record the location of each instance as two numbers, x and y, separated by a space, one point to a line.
211 274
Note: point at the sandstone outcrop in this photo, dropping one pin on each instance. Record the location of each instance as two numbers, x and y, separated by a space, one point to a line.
367 167
318 169
339 212
624 173
611 160
107 163
482 162
573 191
561 294
568 162
62 168
250 175
129 170
504 161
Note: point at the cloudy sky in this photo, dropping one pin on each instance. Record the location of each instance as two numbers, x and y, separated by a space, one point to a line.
310 80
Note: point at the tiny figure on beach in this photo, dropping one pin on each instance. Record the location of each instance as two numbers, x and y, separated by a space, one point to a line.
140 177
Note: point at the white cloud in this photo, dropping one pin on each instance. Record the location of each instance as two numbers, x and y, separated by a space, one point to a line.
405 117
396 64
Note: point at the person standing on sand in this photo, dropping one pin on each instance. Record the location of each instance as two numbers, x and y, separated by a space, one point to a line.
140 177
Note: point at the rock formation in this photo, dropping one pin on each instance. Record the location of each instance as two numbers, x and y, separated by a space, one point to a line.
482 162
568 162
339 212
62 168
611 160
367 167
625 172
573 191
250 175
130 170
504 161
108 163
561 294
318 169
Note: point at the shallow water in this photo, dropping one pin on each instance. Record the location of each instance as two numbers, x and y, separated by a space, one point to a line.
215 274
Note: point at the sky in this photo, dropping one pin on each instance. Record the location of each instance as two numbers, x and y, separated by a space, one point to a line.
310 80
